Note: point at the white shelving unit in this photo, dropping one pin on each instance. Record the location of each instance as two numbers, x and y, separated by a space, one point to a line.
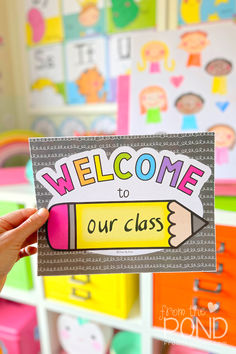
140 319
141 316
86 109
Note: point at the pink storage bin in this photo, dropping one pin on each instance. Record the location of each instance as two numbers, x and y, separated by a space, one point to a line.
180 349
12 175
18 329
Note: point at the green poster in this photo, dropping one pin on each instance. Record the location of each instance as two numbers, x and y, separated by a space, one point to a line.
129 15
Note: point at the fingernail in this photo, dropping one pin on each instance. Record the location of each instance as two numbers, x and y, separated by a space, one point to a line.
27 250
42 212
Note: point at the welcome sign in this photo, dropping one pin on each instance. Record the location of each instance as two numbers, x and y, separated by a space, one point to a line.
122 202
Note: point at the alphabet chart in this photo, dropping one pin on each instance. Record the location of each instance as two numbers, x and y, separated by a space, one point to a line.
43 22
47 86
184 81
125 204
86 70
92 60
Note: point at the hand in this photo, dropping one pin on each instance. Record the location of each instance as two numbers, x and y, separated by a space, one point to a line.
18 231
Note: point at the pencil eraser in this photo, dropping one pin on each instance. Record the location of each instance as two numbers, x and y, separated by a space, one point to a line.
57 227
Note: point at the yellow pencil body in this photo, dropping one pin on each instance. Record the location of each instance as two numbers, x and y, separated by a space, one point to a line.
122 225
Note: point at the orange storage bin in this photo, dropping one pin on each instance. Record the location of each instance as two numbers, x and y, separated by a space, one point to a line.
201 304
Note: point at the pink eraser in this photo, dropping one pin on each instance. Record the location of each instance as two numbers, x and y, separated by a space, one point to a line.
57 227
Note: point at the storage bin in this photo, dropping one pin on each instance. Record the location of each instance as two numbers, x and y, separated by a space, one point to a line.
113 294
180 349
205 301
225 203
18 329
20 276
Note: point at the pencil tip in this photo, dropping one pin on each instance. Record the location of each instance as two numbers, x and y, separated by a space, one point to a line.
198 223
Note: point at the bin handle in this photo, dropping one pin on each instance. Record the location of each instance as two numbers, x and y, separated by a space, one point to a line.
198 288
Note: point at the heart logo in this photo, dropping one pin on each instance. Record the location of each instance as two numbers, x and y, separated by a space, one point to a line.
176 80
222 105
212 307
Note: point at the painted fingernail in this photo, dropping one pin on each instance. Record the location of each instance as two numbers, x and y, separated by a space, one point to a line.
27 250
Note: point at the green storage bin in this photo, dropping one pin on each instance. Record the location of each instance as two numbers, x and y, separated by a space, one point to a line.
225 203
126 343
20 276
8 207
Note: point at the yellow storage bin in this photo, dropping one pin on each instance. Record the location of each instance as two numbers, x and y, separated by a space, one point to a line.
113 294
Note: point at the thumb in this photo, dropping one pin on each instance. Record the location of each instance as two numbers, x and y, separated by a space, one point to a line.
27 251
32 224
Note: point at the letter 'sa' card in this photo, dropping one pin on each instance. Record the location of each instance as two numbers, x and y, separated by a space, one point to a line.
125 204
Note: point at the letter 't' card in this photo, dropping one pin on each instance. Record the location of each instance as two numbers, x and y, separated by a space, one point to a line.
125 204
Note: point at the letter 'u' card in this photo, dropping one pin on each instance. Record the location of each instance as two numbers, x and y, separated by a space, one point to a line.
125 204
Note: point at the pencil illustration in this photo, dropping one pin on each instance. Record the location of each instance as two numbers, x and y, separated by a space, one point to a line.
116 225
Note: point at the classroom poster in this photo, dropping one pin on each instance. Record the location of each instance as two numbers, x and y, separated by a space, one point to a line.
46 75
86 70
83 18
119 60
74 125
44 125
43 22
103 125
88 126
184 81
196 11
125 204
131 15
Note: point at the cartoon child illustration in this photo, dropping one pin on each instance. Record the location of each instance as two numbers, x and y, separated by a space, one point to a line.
190 11
194 43
124 12
90 83
225 139
153 52
89 14
153 101
189 104
219 69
